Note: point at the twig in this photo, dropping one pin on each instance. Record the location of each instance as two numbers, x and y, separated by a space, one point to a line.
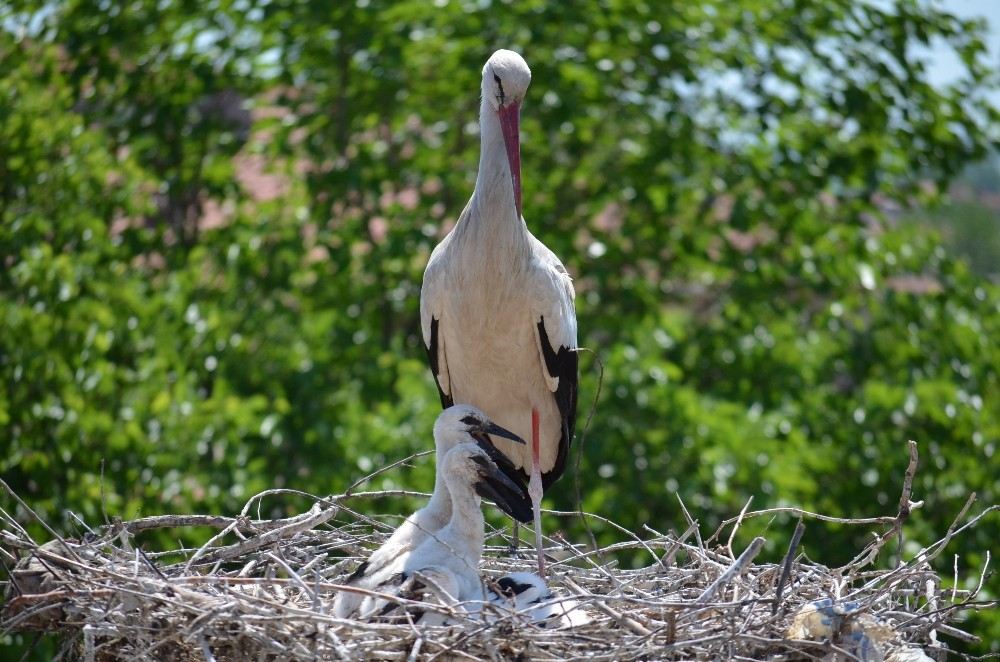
952 530
295 576
45 526
211 521
738 568
382 470
14 524
104 502
859 521
206 650
739 520
786 566
669 556
79 520
580 444
313 518
944 628
626 621
415 651
905 505
618 527
150 564
691 521
269 595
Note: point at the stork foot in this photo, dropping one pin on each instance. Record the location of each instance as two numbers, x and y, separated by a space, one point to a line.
535 492
514 543
516 553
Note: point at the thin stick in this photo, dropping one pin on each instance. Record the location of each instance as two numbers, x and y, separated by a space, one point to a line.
45 526
104 503
382 470
667 560
12 521
150 564
954 581
206 650
952 530
309 520
738 568
610 523
583 438
415 651
905 505
626 621
739 520
691 521
294 575
886 519
211 521
786 566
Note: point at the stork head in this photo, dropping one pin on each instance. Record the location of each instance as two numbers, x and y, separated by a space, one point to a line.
506 77
470 465
462 423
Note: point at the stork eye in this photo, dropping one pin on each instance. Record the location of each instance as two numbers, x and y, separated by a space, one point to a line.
500 96
471 420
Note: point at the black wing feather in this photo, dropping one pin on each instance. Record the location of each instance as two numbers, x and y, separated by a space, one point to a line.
432 355
511 588
563 364
358 573
410 588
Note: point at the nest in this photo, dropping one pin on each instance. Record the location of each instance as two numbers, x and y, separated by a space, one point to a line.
262 589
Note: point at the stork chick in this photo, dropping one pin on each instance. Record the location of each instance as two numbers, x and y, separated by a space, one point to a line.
527 594
449 559
453 427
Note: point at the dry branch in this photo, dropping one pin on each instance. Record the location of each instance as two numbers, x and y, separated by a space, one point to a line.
268 595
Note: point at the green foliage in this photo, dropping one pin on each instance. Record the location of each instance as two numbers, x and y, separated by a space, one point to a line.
214 219
969 220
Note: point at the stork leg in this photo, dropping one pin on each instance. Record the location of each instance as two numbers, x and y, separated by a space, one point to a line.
535 490
515 539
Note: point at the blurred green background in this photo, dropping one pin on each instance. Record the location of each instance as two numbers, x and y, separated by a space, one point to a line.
214 217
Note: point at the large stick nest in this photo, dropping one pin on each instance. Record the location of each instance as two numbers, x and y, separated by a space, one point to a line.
262 589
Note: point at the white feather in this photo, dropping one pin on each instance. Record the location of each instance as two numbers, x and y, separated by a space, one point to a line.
449 432
528 596
452 554
489 283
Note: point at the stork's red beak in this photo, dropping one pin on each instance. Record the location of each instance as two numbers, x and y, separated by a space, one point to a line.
510 119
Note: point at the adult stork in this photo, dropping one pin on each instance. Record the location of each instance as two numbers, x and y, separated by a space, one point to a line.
496 305
454 426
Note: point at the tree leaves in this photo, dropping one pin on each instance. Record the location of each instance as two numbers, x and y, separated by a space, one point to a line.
215 220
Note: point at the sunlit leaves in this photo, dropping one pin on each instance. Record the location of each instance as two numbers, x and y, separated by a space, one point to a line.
215 218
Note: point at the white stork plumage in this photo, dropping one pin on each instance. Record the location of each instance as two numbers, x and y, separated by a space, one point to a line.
454 426
446 563
497 306
526 594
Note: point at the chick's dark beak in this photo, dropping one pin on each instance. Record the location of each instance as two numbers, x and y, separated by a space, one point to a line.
496 430
496 486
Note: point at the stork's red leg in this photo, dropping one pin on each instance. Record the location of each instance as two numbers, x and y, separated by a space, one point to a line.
535 489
